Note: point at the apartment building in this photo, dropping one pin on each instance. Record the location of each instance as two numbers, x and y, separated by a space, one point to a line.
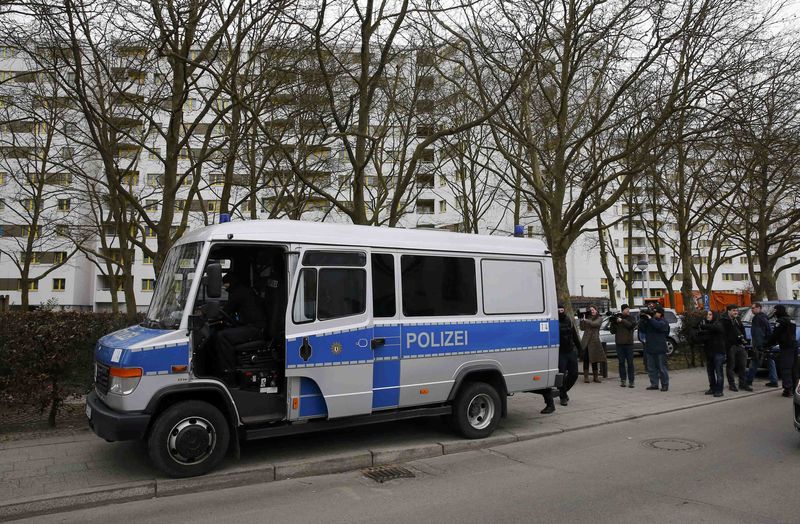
272 179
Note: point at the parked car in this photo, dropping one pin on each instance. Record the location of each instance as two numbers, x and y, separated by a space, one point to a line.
607 338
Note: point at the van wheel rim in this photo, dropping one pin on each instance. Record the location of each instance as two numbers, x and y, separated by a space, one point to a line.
480 411
191 441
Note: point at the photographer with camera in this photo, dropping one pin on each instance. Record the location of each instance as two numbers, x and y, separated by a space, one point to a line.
655 329
735 341
623 326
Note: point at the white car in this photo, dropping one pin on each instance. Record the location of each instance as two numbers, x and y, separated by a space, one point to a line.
610 344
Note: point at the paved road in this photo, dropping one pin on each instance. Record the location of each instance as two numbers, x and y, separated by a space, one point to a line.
746 472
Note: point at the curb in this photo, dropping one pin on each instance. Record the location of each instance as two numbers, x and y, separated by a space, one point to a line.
132 491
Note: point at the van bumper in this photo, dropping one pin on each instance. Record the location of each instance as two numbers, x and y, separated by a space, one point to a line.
115 425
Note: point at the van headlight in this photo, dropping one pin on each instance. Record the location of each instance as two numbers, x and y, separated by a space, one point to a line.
123 381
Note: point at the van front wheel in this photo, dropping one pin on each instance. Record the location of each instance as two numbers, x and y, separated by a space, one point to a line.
476 410
188 439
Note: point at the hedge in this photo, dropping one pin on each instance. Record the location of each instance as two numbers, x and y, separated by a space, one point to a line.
46 356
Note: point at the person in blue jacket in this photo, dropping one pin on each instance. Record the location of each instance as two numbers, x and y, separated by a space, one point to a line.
655 329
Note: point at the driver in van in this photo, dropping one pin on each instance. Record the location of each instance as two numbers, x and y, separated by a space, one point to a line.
247 318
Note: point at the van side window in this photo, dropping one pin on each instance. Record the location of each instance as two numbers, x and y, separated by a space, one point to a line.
305 298
335 258
438 286
329 293
342 292
512 286
383 295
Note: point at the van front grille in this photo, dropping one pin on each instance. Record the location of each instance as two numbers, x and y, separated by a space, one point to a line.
101 378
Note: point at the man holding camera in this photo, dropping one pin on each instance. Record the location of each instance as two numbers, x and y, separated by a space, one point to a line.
624 327
655 329
735 338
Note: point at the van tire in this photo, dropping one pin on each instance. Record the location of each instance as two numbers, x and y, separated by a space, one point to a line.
177 442
476 410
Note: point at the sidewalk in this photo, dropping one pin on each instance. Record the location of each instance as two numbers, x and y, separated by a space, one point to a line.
56 473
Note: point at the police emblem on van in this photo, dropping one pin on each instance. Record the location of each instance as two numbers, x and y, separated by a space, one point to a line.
305 350
336 348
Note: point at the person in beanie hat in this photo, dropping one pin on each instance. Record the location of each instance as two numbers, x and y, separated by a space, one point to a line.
736 360
623 338
785 336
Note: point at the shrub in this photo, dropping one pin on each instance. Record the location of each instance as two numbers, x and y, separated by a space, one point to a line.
46 356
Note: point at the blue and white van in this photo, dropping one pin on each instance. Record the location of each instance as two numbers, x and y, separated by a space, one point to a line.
357 325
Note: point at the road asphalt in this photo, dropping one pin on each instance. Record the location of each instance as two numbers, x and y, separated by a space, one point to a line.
731 462
57 474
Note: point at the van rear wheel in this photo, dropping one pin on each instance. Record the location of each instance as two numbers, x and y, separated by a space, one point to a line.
188 439
476 410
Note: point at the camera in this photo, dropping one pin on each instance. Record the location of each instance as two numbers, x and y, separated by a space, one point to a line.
645 316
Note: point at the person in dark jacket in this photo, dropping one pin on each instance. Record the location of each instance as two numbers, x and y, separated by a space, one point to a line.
656 331
568 344
785 336
760 331
623 338
246 310
736 363
712 334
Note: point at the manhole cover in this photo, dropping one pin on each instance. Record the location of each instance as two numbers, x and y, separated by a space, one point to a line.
383 473
673 444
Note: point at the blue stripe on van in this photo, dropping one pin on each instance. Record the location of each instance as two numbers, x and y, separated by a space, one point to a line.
343 347
385 398
313 407
309 387
453 338
386 373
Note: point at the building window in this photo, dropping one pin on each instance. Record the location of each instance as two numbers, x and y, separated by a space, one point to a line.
151 205
442 206
180 205
149 232
425 207
33 285
59 284
148 284
603 284
155 179
62 230
59 257
213 206
216 179
63 204
147 259
795 277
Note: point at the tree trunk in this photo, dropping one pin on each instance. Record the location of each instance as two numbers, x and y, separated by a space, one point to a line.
767 283
560 273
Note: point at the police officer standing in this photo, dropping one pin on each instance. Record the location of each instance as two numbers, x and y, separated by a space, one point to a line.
568 344
785 335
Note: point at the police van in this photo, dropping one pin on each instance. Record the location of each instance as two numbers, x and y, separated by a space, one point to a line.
356 325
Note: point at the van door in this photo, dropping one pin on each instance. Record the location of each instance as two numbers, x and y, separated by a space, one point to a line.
329 330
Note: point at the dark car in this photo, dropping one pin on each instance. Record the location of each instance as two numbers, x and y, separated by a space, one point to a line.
792 307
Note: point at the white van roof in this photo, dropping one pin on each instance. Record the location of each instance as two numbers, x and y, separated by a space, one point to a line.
297 231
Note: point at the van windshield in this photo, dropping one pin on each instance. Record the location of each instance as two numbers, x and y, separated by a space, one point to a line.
172 287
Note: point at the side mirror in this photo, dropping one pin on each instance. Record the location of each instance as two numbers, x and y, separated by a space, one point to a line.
214 280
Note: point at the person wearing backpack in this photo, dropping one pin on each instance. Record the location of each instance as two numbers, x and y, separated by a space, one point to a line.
623 326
